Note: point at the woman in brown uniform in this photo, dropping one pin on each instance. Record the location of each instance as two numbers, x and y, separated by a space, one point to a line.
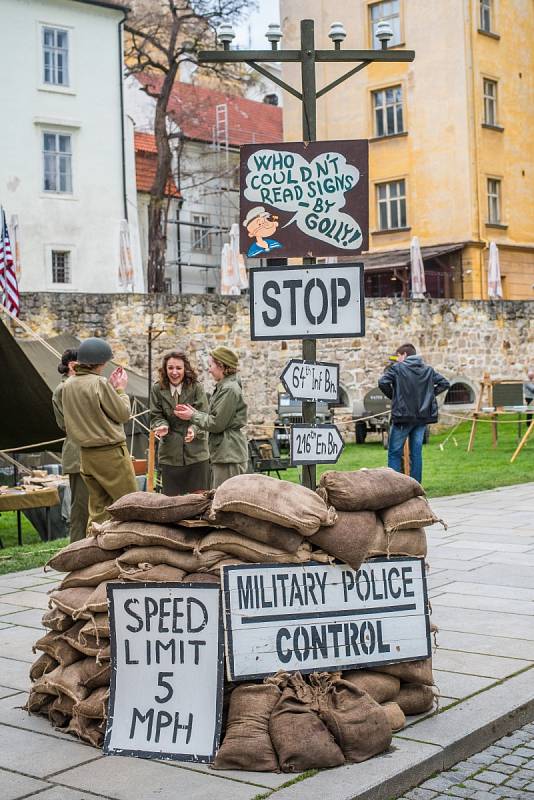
183 449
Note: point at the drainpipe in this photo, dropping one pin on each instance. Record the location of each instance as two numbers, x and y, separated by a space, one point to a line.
121 91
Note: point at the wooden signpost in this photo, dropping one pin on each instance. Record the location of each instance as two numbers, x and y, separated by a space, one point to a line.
318 617
166 681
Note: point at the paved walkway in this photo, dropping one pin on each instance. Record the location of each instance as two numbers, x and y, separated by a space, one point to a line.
482 590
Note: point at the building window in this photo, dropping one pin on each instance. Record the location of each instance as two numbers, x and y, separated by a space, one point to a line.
271 99
57 162
60 266
55 57
490 102
386 11
391 199
494 201
485 15
388 111
201 234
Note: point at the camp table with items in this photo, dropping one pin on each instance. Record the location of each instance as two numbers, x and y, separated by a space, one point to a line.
17 499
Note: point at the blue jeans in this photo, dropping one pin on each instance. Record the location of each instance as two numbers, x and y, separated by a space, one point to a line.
397 436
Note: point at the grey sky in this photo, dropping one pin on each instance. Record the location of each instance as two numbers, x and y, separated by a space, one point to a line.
252 31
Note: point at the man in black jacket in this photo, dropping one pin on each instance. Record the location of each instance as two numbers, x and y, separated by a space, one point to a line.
412 386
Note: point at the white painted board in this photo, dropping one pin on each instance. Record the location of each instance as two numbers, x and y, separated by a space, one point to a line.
318 617
166 682
314 444
313 301
311 380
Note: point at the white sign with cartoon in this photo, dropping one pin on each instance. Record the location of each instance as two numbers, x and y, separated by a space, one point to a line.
304 199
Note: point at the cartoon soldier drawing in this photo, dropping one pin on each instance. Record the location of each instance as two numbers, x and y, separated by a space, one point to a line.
260 225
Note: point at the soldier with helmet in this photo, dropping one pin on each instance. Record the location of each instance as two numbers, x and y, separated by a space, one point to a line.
95 410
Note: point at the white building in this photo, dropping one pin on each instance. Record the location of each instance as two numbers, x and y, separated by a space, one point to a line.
66 166
211 125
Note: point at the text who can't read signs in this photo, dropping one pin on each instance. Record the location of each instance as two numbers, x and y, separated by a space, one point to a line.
312 301
166 644
314 618
304 199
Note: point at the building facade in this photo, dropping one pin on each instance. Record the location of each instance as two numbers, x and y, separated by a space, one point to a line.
64 163
450 157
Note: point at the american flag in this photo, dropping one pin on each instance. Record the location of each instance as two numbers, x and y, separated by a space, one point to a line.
8 279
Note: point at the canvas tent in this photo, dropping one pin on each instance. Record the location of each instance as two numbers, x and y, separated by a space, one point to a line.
29 376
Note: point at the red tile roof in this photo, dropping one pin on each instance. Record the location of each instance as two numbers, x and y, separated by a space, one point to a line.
145 165
193 109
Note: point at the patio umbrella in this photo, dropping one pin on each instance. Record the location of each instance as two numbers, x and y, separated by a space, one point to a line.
126 267
417 270
233 271
494 273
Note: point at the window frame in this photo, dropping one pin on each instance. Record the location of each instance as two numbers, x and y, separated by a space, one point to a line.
66 267
386 18
54 50
60 157
485 10
400 200
496 197
384 107
490 100
199 219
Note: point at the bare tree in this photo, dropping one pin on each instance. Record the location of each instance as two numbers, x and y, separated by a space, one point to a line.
162 35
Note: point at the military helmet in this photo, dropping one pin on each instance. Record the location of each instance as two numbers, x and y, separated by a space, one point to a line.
94 351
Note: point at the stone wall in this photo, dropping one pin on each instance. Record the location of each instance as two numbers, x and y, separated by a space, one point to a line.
457 338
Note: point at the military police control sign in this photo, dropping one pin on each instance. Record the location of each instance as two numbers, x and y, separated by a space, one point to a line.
315 618
167 671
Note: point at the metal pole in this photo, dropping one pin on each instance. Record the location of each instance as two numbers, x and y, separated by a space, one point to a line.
150 326
309 134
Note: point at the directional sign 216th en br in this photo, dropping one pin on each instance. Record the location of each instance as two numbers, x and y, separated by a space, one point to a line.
315 444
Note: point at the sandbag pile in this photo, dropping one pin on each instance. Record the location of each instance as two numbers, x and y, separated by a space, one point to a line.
249 519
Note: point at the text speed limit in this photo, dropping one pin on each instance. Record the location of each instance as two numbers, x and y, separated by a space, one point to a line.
308 301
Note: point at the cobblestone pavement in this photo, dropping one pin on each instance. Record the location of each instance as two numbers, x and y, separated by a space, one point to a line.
504 770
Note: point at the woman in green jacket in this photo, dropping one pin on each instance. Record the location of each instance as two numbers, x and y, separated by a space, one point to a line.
225 418
183 449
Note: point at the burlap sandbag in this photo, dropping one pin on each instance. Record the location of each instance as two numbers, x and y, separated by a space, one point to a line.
79 555
39 702
153 507
201 577
101 676
45 663
190 562
56 620
284 503
224 562
114 535
86 729
70 601
97 626
235 544
358 723
380 687
349 538
368 489
410 542
410 671
148 572
301 740
91 576
88 644
96 603
414 513
95 706
415 698
64 680
54 645
60 711
247 744
261 530
395 716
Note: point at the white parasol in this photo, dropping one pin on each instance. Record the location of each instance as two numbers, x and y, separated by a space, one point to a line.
233 271
494 273
417 270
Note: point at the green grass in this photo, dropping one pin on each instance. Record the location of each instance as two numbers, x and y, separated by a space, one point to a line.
451 470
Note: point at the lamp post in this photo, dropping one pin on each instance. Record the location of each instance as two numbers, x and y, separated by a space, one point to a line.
307 56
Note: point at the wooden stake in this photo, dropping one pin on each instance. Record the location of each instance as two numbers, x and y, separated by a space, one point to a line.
151 461
523 441
406 456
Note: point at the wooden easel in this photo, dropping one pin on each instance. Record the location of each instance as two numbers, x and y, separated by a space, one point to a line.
523 441
486 387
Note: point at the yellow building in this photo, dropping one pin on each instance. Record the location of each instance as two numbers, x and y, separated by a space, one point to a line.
451 143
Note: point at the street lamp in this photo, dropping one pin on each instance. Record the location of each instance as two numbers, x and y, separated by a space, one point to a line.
307 56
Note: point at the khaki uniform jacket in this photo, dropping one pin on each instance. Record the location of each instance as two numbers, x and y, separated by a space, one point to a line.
70 453
93 410
226 416
173 450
